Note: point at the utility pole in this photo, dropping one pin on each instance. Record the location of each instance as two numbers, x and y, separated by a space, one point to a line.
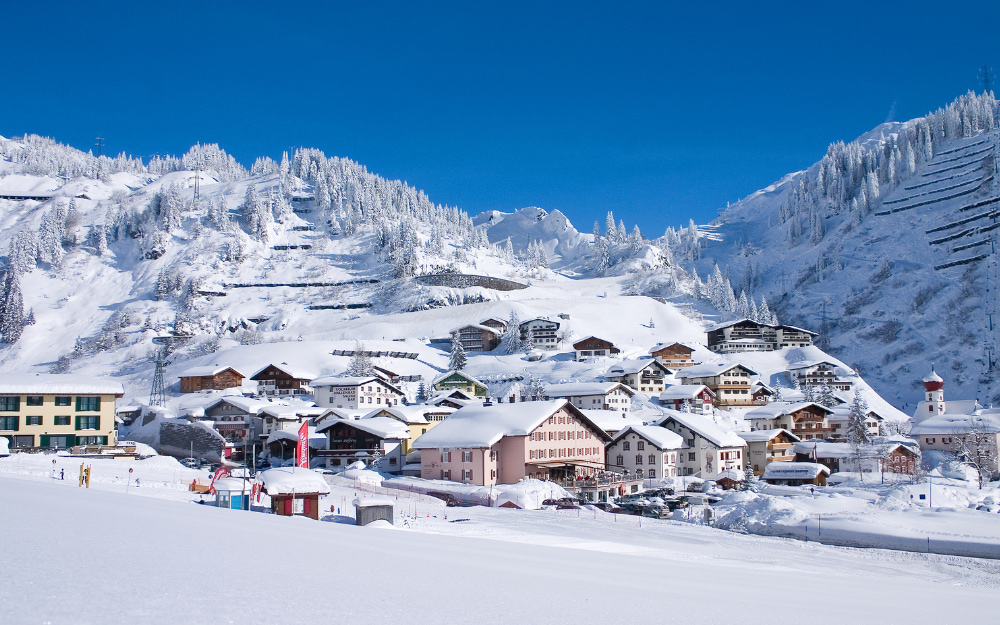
100 146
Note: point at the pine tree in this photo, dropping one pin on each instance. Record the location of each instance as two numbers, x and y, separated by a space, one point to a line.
361 363
11 309
100 240
826 397
171 206
764 312
22 252
510 341
458 357
743 306
610 230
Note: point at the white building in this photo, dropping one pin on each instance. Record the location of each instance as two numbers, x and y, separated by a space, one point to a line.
709 449
541 332
646 450
355 393
593 395
645 375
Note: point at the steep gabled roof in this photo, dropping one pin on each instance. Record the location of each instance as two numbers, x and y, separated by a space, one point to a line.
662 438
298 374
759 436
703 427
684 391
776 409
382 427
630 367
55 383
461 374
574 389
710 369
209 370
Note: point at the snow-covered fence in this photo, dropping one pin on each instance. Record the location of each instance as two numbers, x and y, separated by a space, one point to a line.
961 222
932 191
964 261
961 156
940 180
962 147
463 280
969 246
255 285
952 168
936 200
373 354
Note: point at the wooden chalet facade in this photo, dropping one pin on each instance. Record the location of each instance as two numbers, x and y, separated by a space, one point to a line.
817 375
807 420
452 380
745 335
646 376
281 379
477 338
673 355
732 384
767 446
212 378
593 347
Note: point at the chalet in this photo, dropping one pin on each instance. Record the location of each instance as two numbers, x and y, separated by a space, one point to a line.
796 473
807 420
418 419
593 347
212 377
504 443
817 374
349 440
495 323
767 446
281 379
57 411
730 478
453 380
237 419
696 398
285 417
477 338
602 395
761 393
709 448
646 375
293 491
731 383
647 450
673 355
828 454
840 419
745 335
882 454
541 333
355 392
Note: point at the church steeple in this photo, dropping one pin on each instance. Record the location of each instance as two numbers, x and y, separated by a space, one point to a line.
934 394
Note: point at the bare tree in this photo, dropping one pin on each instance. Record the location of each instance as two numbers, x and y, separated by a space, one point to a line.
977 448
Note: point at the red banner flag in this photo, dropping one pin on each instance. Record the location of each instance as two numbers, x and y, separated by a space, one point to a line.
302 448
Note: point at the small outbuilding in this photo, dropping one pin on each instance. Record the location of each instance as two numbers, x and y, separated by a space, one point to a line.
796 473
294 490
232 493
371 509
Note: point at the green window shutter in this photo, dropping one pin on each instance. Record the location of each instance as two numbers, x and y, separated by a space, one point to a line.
79 404
78 422
97 403
43 440
97 422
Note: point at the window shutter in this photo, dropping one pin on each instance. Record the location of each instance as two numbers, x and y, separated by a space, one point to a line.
78 422
79 404
97 422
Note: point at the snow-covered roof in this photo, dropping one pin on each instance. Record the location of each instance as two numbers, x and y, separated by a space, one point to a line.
776 409
55 383
711 369
246 404
291 413
612 420
824 449
374 500
950 423
806 364
231 484
736 475
482 426
759 436
317 440
411 415
660 346
477 326
333 381
662 438
683 391
286 480
207 371
284 367
703 427
382 427
576 389
630 367
461 374
794 470
933 377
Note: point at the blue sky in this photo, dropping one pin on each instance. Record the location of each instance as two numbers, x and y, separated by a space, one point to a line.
659 113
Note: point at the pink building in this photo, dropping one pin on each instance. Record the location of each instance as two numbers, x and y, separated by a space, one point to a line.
502 443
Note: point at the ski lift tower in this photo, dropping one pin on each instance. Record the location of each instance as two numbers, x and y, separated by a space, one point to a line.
158 394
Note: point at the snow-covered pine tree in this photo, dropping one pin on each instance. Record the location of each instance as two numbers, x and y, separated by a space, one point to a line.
752 312
610 230
826 397
361 364
100 240
510 340
256 215
11 309
171 206
22 253
743 306
763 312
458 358
857 430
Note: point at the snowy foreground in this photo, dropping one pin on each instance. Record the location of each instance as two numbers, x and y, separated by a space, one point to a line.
102 555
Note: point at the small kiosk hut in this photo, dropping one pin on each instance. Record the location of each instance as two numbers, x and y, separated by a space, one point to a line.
370 509
232 493
294 490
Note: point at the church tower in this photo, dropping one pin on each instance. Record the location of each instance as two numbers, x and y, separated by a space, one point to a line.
934 394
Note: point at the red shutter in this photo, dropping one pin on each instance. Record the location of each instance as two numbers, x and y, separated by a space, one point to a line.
288 506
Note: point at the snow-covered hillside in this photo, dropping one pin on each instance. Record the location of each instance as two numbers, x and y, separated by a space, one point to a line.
885 246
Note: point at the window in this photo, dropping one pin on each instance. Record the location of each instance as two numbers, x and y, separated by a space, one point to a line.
10 403
9 423
652 459
34 400
62 420
691 456
638 458
32 420
620 460
445 456
88 423
88 404
445 475
652 473
493 455
467 475
641 445
466 456
626 446
91 440
392 460
63 401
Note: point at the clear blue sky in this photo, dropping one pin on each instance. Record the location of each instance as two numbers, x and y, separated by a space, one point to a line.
655 111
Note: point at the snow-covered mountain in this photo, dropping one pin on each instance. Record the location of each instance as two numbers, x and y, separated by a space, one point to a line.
866 246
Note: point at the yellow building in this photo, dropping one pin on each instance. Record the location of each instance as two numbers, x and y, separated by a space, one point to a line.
418 419
57 411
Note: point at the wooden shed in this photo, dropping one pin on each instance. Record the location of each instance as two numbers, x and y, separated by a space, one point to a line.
294 491
371 509
210 378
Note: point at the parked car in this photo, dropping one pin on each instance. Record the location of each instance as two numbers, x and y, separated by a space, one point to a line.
657 512
449 500
607 507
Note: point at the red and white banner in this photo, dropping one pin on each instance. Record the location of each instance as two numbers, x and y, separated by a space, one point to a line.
219 473
302 448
